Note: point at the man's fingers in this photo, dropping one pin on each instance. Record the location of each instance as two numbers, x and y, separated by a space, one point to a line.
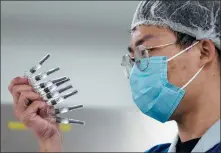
17 81
24 99
20 88
35 106
31 112
17 89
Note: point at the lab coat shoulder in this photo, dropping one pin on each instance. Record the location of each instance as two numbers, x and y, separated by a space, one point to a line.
209 142
163 148
159 148
216 148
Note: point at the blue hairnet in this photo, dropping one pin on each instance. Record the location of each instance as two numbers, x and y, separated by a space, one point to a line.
199 19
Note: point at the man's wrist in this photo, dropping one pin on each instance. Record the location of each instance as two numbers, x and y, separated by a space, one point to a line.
52 144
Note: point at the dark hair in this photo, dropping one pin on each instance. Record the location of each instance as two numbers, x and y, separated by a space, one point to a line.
185 40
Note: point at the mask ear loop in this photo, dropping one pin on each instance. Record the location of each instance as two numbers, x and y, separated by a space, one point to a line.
182 51
193 77
180 54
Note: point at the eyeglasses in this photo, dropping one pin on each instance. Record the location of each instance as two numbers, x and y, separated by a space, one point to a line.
127 63
141 54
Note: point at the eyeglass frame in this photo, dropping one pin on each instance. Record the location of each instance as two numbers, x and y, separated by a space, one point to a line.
136 60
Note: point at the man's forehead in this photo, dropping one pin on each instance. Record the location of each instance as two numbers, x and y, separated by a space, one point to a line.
156 31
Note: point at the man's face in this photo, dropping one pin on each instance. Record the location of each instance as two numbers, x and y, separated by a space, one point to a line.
180 69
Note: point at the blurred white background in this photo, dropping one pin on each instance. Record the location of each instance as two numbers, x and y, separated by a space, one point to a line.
87 41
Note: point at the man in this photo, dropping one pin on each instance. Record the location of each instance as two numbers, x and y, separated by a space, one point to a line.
174 72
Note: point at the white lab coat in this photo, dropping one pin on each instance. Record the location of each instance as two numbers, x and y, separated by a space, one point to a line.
207 141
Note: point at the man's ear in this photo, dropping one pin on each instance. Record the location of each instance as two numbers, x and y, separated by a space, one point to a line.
207 50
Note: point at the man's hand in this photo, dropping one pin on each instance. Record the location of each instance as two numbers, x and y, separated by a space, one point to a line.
36 115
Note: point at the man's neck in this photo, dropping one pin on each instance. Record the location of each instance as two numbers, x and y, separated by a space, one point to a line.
195 123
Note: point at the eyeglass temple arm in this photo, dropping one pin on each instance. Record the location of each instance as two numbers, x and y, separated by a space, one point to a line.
160 46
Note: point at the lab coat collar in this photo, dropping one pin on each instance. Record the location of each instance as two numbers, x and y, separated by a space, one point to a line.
207 141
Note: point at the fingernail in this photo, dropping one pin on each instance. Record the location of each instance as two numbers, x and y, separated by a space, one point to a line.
16 78
21 77
26 79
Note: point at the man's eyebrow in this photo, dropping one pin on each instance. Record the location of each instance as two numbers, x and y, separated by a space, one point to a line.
145 38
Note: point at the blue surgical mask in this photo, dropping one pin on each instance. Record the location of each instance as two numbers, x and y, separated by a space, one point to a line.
154 95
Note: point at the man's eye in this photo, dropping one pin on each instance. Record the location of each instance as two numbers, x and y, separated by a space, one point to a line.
143 52
132 59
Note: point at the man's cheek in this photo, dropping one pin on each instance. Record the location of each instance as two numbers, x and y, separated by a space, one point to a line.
171 72
174 73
